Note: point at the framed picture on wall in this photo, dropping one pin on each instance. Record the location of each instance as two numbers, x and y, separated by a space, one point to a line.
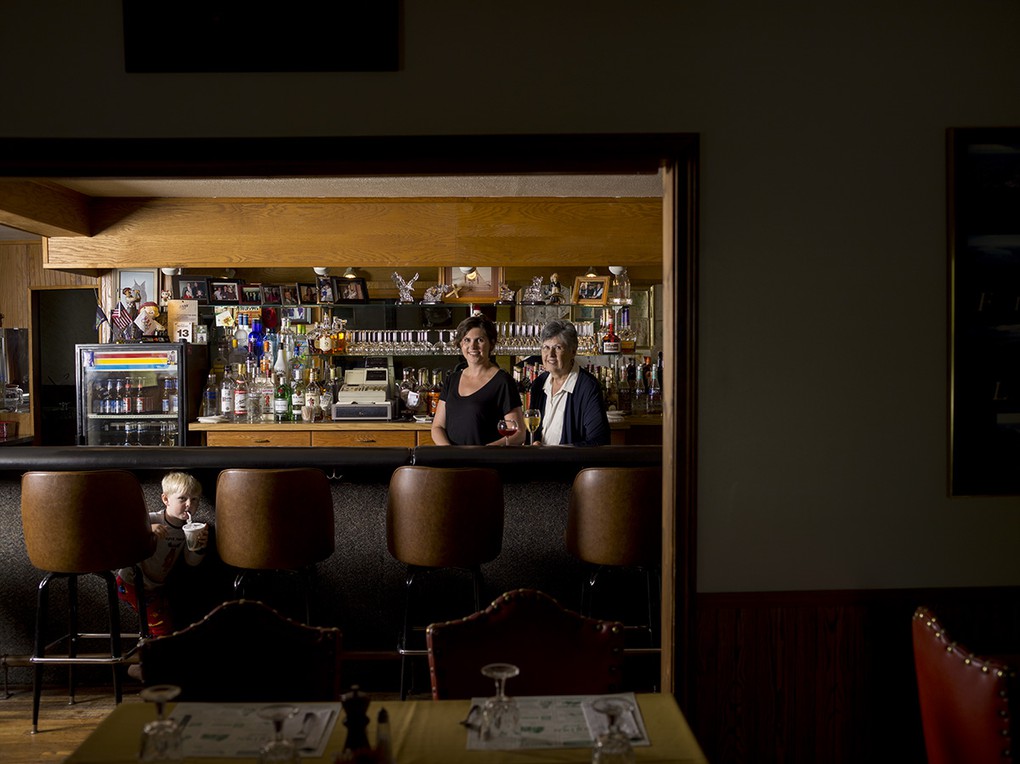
307 294
223 292
471 284
289 294
251 294
591 290
324 288
351 291
144 281
191 288
272 294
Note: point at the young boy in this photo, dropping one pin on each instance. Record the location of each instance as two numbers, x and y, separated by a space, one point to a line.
180 493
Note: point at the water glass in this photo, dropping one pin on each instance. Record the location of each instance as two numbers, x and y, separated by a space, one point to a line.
161 739
500 716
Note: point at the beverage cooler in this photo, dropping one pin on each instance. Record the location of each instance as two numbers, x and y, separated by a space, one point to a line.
138 394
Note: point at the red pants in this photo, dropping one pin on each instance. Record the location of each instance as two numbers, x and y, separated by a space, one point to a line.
157 609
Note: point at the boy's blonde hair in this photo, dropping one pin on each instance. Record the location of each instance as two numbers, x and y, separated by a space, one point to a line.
181 483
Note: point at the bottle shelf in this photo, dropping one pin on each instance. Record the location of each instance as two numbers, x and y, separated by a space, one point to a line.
147 415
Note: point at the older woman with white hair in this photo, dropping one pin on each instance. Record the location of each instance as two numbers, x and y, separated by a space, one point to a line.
570 399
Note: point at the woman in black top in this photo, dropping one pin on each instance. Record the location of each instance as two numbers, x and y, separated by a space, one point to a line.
475 398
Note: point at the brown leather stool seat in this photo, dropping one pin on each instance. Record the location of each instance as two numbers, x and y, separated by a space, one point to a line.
442 518
76 523
274 520
614 523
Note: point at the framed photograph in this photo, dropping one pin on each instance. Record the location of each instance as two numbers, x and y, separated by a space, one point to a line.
223 292
591 290
324 290
307 294
191 288
477 285
272 294
296 315
144 281
289 294
251 294
351 291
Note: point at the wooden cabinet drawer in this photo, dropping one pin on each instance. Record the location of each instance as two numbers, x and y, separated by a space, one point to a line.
425 438
371 438
260 438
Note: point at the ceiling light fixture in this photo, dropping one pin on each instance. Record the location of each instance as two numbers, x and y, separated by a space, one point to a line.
469 271
591 273
171 271
320 271
350 273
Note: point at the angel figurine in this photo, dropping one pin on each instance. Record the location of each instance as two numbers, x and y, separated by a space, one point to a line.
533 294
405 288
434 294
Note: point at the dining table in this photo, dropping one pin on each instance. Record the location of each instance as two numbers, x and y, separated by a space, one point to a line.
421 732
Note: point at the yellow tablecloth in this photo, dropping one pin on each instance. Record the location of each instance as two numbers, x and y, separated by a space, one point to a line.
423 731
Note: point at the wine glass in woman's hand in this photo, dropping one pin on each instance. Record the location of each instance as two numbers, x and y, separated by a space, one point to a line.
507 428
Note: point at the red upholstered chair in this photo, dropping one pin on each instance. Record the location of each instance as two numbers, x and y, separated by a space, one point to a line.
558 651
244 651
964 698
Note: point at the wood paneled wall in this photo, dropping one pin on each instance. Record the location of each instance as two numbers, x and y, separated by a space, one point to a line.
827 676
21 271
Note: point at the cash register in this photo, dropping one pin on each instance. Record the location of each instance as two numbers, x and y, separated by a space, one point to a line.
366 395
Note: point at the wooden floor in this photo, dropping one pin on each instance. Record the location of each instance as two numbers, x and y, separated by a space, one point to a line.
62 727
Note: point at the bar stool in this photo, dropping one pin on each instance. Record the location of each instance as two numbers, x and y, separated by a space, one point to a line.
77 523
274 520
438 517
614 523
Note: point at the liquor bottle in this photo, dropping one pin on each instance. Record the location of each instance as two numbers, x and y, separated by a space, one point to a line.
610 341
241 394
628 337
254 340
228 387
339 337
297 394
328 395
424 385
270 343
286 341
324 340
210 396
282 400
311 411
408 395
241 330
434 391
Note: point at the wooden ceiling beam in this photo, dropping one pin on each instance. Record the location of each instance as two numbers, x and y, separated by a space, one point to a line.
43 209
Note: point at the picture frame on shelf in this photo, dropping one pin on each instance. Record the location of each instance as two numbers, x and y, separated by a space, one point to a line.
351 291
482 285
591 290
223 291
297 315
307 294
324 290
289 294
272 294
145 281
250 294
191 288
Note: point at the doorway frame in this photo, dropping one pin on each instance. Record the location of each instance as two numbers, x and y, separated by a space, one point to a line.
675 154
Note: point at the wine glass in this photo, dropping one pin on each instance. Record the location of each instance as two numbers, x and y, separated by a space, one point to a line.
612 747
532 419
506 428
500 718
278 750
161 739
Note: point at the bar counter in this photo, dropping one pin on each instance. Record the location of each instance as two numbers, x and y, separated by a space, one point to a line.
630 430
359 588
